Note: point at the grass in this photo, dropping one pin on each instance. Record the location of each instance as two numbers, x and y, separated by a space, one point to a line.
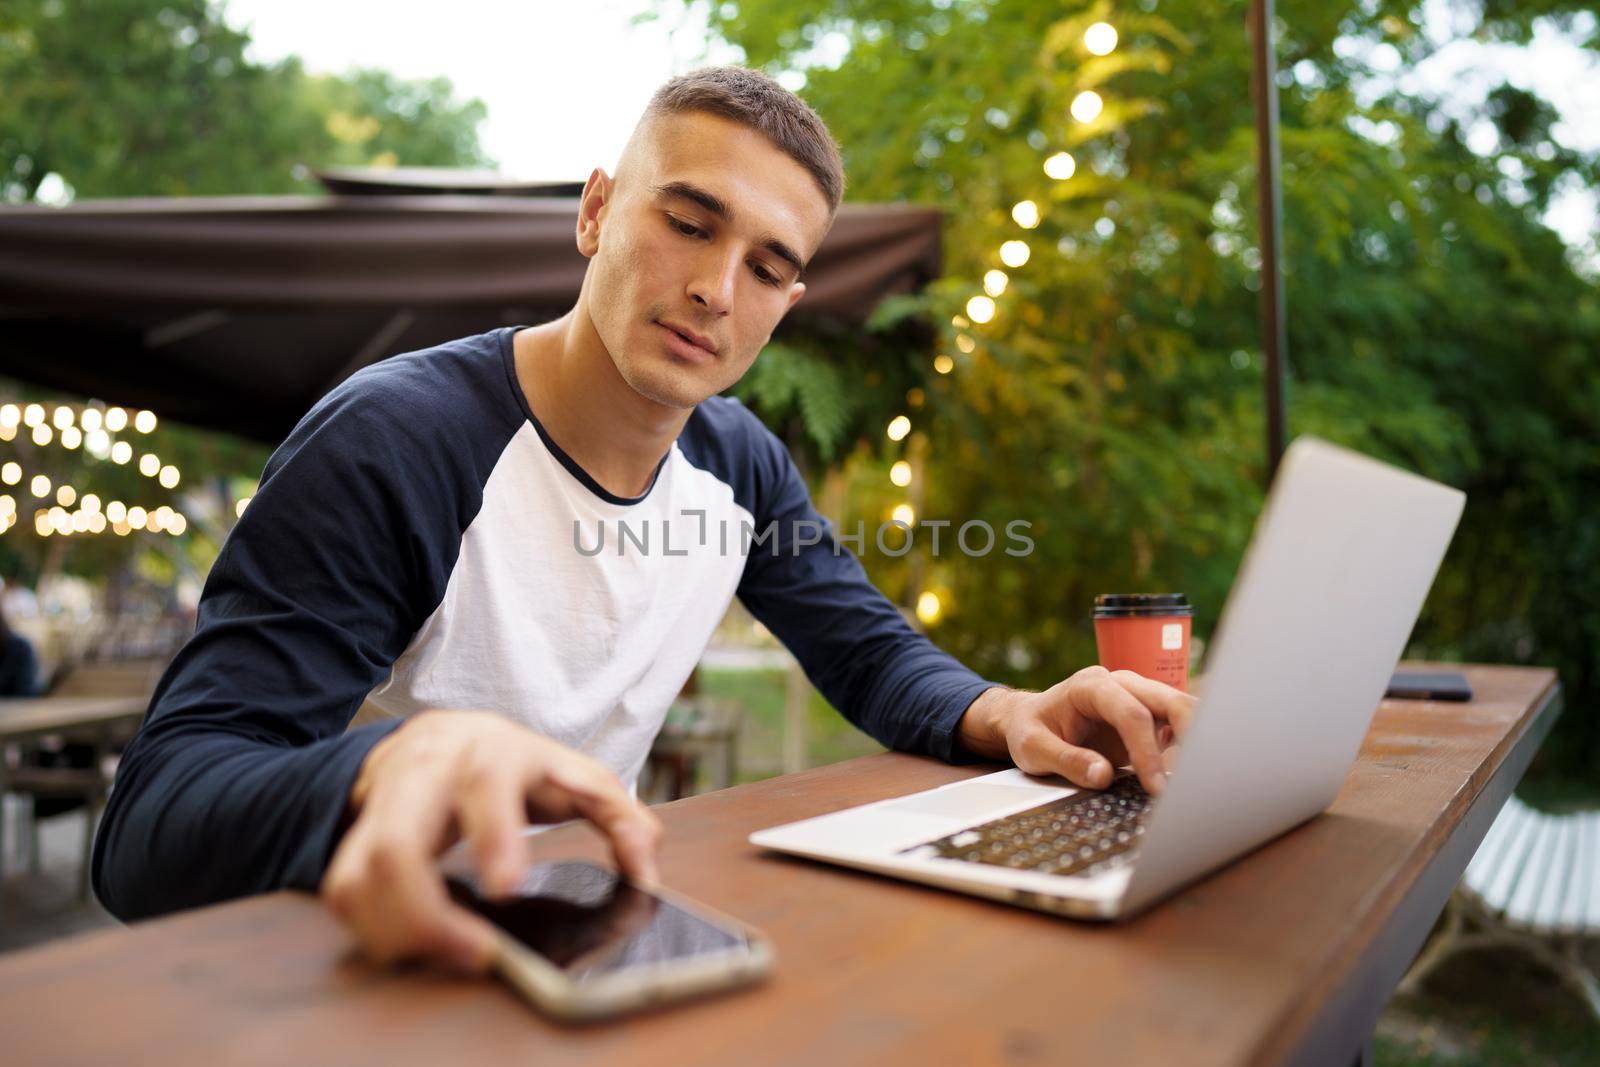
829 736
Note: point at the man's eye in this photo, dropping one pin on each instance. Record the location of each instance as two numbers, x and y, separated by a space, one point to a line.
688 229
765 276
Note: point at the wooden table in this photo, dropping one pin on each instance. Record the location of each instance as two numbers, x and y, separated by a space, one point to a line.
1286 956
95 719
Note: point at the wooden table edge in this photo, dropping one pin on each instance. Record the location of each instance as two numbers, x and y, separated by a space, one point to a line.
1331 1031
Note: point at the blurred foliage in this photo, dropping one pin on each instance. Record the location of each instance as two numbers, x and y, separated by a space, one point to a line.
160 98
1115 399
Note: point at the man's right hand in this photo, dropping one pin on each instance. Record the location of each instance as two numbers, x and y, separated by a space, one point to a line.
445 775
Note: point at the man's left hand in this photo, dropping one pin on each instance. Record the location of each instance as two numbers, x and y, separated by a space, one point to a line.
1082 727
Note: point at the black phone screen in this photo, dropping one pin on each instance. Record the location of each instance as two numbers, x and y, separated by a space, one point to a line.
588 921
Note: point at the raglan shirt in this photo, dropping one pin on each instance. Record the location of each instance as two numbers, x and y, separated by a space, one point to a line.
419 541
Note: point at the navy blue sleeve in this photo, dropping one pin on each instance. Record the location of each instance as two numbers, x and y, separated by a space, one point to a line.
238 781
855 646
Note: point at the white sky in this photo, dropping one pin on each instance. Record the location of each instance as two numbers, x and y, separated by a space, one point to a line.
565 80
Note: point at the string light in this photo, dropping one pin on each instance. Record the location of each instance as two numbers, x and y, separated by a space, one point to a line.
1061 166
169 476
97 443
137 517
11 473
40 485
116 419
63 417
149 464
90 419
10 415
904 513
145 421
1025 213
899 426
981 308
116 511
66 495
994 282
900 473
1015 253
965 343
7 433
1087 105
43 435
1100 38
943 364
177 525
929 607
91 503
71 437
121 452
33 415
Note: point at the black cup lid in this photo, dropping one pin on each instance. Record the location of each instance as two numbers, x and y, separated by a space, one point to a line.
1122 605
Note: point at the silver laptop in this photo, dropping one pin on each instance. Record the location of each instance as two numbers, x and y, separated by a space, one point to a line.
1343 555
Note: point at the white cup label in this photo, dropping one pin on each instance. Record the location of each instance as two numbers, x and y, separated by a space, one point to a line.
1172 636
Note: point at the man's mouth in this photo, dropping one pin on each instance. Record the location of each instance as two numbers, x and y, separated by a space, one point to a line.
687 342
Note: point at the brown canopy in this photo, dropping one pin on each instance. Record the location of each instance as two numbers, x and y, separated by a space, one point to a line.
238 313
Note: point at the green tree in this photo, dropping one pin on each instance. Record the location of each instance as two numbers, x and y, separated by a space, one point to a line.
1114 398
158 98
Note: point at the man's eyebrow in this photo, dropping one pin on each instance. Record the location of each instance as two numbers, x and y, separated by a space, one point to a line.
719 207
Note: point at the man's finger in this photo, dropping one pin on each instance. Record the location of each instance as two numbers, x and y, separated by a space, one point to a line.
634 833
1107 700
1174 705
493 813
1042 752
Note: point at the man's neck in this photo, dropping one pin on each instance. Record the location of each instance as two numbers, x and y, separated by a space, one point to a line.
588 409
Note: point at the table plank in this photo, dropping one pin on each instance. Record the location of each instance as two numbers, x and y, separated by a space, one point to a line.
1284 956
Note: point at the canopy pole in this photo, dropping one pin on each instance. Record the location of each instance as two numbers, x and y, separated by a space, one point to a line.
1274 334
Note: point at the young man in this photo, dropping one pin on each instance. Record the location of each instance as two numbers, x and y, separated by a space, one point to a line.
425 539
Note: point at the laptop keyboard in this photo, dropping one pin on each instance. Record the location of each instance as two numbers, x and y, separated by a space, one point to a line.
1084 834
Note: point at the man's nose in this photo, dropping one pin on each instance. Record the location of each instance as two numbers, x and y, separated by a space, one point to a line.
713 284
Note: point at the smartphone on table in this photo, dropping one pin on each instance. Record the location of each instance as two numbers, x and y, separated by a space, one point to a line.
583 942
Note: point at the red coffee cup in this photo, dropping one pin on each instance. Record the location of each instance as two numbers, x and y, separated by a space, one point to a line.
1147 633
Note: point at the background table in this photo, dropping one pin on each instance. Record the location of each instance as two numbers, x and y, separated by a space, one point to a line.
1286 956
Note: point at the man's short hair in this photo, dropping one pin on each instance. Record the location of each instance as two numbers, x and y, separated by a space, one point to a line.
752 99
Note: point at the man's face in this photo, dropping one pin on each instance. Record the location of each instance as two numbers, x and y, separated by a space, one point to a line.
696 250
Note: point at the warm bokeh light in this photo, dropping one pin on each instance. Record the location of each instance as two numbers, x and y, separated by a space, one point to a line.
121 452
177 525
11 473
929 608
137 517
91 503
899 426
981 309
965 343
97 443
1015 253
10 415
1025 213
904 513
1100 38
40 485
116 419
33 415
1061 166
97 522
149 464
145 421
90 419
1087 105
41 523
168 476
943 364
63 417
66 496
116 511
900 473
994 282
71 437
43 434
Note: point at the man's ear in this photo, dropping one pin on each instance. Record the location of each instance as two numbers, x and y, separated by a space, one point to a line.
596 195
796 291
